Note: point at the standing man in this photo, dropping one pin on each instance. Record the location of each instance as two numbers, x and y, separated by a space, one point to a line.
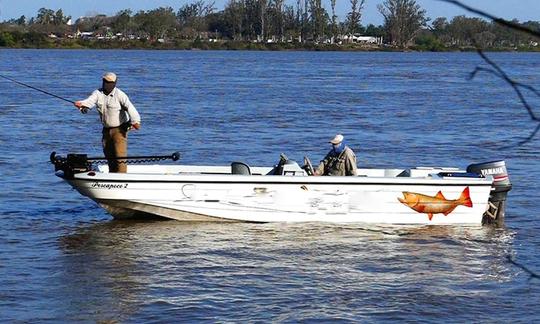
118 116
340 161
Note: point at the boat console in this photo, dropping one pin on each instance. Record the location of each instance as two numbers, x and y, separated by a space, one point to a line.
287 167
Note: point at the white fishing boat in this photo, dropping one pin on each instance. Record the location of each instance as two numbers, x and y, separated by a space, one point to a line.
286 192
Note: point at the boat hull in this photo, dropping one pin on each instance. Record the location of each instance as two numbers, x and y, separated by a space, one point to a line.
125 209
283 199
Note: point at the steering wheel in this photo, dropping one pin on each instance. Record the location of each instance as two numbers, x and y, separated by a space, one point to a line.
308 166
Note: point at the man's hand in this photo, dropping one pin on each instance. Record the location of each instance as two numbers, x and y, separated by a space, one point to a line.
136 125
80 106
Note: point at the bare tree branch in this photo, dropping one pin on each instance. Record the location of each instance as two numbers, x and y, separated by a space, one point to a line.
498 20
528 139
497 71
524 268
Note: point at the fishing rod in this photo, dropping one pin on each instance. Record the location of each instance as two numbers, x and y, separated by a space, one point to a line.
34 88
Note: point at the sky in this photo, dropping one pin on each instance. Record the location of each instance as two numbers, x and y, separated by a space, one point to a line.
523 10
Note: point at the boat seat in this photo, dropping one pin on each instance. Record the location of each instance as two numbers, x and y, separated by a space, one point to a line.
405 173
240 168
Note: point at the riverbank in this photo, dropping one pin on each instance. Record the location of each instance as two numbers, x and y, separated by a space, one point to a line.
197 44
34 41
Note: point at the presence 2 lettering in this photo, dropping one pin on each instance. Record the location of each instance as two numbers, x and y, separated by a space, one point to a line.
98 185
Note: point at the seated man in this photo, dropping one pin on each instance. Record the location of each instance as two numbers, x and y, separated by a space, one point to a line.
340 161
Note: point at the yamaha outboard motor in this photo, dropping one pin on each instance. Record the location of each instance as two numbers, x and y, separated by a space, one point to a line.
499 189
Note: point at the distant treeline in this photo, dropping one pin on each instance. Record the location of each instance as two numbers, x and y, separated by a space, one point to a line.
265 24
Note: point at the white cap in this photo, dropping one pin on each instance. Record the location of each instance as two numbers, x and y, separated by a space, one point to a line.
109 77
337 139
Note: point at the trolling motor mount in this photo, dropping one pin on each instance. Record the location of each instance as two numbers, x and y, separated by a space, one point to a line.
77 163
73 163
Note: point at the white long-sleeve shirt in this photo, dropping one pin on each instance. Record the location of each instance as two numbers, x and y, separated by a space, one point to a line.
114 109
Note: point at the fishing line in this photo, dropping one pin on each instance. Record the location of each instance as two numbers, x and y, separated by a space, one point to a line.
34 88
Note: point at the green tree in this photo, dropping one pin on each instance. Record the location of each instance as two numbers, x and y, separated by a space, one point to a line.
218 24
252 19
426 41
354 16
193 15
45 16
439 26
466 31
6 39
123 22
528 39
291 26
263 5
156 23
403 19
21 21
376 31
319 19
35 39
234 13
277 18
48 21
334 19
59 18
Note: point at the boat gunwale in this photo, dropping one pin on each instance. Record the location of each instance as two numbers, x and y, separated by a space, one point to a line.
285 180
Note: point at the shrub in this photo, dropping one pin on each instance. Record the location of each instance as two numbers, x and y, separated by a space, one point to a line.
7 40
429 43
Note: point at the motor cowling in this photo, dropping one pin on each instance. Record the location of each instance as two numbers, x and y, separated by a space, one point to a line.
70 165
499 189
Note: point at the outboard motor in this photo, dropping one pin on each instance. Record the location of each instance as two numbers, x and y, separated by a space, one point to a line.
499 189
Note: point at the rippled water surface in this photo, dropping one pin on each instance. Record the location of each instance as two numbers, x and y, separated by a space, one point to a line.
64 259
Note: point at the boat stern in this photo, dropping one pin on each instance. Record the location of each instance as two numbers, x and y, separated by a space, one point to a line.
496 211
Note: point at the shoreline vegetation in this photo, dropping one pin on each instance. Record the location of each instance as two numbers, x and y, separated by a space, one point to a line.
267 25
231 45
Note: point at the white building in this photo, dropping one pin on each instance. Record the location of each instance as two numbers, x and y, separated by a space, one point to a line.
356 38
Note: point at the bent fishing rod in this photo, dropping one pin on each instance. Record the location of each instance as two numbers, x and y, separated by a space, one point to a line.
34 88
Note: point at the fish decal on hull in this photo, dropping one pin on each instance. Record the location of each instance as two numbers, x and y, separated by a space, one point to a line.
437 204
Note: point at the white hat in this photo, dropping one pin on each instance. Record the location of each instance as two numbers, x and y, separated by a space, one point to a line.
337 139
109 77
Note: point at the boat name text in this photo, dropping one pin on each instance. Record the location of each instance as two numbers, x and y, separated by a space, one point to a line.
98 185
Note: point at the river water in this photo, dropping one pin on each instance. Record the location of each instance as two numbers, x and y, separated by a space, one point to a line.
64 259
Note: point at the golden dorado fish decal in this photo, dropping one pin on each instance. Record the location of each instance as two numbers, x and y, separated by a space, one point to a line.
435 205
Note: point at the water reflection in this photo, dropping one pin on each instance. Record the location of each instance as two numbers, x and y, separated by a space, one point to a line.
101 276
203 271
